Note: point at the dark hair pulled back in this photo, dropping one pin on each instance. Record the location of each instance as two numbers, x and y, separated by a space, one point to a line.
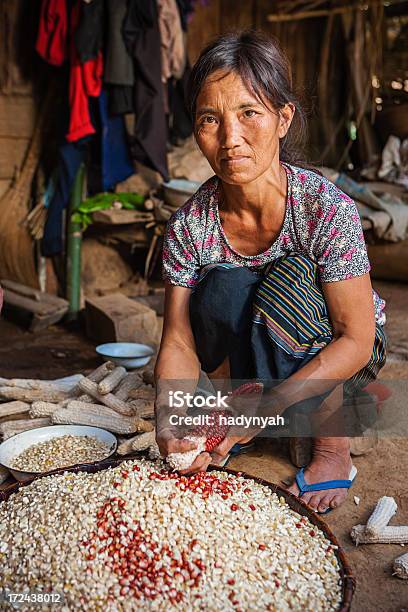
264 68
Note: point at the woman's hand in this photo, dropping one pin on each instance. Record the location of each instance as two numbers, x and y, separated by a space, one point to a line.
200 464
168 443
223 448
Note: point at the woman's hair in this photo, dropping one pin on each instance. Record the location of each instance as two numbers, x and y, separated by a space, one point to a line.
265 70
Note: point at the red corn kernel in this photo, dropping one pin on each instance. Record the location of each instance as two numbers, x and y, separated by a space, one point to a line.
234 507
277 583
298 525
136 468
230 581
247 490
252 506
262 547
312 533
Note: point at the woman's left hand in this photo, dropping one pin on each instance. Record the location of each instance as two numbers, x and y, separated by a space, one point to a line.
223 448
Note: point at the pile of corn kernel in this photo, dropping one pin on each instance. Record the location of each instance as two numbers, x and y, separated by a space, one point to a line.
60 452
139 536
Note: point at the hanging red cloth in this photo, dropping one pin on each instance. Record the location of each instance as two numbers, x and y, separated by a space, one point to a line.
85 79
52 32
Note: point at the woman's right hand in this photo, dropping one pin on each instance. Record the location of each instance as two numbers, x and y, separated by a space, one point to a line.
169 443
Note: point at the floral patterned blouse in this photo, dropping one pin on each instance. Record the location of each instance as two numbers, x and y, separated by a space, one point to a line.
320 222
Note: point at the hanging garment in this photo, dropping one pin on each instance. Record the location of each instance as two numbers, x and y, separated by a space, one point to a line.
172 46
71 157
173 51
90 30
116 165
85 78
118 61
185 8
52 32
85 81
181 126
142 38
109 155
119 71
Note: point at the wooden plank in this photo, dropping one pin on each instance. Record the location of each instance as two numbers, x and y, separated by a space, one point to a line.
204 26
4 185
12 152
18 30
114 216
236 16
34 294
17 116
300 15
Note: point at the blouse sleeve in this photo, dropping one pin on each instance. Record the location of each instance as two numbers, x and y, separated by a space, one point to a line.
180 259
341 251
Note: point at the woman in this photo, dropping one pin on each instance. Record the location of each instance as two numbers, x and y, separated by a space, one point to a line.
266 270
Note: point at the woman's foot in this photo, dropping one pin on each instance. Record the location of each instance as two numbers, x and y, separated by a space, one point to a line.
331 461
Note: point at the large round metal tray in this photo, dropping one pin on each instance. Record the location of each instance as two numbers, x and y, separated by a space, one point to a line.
346 576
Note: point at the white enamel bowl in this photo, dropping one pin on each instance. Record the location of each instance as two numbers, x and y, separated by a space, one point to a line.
15 445
127 354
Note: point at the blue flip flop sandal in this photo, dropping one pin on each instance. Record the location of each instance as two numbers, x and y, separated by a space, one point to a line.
321 486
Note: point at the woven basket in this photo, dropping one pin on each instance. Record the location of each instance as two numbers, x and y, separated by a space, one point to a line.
348 581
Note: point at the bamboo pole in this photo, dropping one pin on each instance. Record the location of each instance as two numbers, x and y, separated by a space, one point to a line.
73 291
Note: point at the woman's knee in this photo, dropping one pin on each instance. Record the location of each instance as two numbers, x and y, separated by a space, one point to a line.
224 294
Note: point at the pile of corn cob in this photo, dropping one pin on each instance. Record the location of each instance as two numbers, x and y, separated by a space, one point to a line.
140 537
377 531
109 397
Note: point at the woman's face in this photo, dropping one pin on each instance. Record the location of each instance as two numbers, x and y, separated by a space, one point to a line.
237 134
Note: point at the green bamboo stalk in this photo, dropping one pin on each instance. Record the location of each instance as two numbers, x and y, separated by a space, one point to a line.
74 242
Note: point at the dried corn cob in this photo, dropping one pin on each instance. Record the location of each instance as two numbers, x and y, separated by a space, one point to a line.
66 384
383 512
13 408
154 452
137 443
101 371
388 535
96 376
109 399
95 415
4 474
12 428
142 408
47 394
148 376
207 437
132 381
145 392
43 409
111 381
400 567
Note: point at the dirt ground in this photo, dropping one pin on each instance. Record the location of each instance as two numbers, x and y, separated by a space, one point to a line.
60 351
